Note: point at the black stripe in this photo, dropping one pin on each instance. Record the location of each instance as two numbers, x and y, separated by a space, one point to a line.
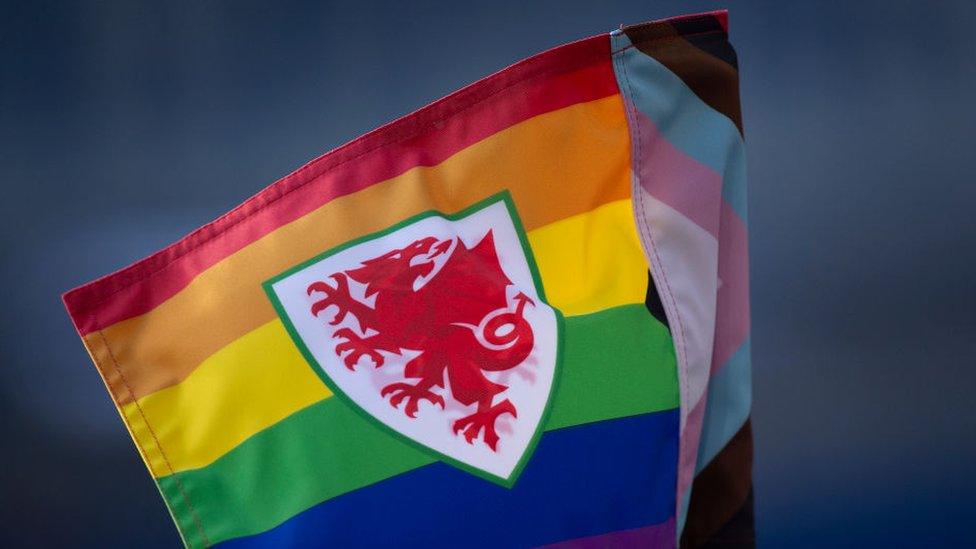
708 35
653 302
716 45
696 25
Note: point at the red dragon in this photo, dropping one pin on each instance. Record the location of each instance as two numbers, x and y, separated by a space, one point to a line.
460 320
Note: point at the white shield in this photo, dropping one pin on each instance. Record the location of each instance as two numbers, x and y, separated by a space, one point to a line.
465 373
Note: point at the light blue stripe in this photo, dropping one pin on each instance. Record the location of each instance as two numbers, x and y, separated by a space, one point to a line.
683 118
728 405
683 511
734 185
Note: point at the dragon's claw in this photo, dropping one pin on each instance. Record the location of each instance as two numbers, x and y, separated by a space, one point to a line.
338 296
357 347
413 394
473 424
342 283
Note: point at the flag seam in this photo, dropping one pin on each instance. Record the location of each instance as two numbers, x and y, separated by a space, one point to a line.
647 237
145 421
645 229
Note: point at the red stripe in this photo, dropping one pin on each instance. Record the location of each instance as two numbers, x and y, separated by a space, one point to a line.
563 76
723 18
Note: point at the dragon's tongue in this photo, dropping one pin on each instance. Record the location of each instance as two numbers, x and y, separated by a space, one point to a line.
442 247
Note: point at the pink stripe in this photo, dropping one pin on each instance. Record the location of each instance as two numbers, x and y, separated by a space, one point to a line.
677 179
688 454
657 536
561 77
732 306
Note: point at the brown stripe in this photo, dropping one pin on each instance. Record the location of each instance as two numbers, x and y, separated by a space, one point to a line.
720 492
712 79
738 533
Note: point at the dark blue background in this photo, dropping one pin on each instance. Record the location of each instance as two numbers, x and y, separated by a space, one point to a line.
124 126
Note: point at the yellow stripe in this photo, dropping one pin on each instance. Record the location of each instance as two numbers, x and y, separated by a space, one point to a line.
588 262
239 390
555 165
592 261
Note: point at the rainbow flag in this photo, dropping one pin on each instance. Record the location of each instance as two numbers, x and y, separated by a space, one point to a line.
516 317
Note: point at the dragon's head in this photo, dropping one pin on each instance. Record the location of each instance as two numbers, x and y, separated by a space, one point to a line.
399 266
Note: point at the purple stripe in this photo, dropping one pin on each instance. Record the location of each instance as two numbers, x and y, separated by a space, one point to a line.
657 536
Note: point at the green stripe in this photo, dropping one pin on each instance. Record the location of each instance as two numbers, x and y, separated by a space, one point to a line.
328 449
640 375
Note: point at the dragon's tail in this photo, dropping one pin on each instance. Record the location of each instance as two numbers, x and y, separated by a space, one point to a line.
505 329
512 338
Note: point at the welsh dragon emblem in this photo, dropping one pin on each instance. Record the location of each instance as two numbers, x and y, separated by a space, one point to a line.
438 330
460 320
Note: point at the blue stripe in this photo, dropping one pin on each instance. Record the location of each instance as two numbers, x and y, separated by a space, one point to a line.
728 405
581 481
683 118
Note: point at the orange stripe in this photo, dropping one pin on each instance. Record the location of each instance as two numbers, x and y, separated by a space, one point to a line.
563 76
553 169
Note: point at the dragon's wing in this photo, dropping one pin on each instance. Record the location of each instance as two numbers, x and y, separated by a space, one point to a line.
471 283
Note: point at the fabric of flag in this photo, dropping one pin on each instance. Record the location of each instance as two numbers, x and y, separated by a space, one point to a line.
516 317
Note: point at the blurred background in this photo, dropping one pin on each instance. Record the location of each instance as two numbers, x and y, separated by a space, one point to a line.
124 126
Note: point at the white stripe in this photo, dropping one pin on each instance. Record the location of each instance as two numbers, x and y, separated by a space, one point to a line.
684 263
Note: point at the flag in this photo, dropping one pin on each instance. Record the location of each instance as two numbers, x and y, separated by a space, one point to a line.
516 317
